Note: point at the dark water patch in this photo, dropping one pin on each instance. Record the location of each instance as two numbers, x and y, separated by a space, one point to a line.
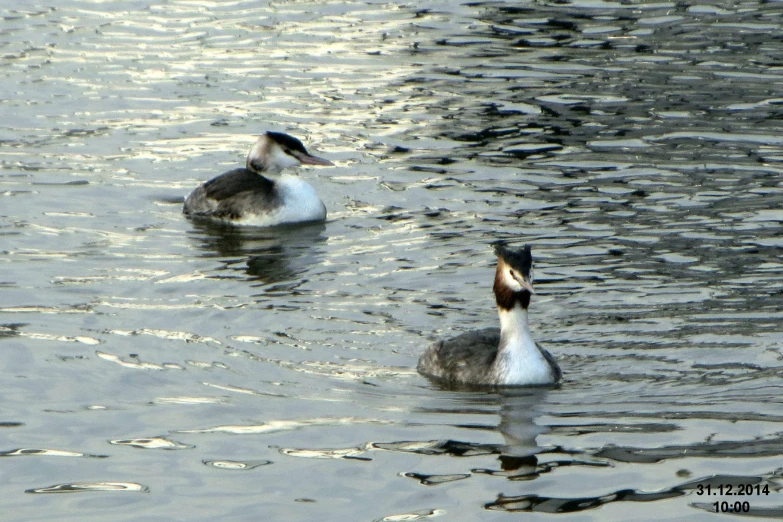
65 183
624 112
175 200
732 449
615 428
535 503
69 133
538 504
454 448
11 329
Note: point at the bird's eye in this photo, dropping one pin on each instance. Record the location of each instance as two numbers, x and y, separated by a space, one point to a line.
511 273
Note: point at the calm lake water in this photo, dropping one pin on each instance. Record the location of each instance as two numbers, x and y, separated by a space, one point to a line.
159 369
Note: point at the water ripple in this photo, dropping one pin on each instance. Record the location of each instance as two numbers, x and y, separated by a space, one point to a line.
635 146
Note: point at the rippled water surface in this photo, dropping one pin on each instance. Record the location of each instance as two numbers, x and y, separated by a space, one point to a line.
155 368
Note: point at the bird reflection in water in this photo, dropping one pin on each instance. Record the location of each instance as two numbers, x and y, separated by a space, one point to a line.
269 255
518 409
518 453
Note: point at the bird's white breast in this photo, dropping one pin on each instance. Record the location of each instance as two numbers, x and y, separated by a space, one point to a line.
519 360
299 203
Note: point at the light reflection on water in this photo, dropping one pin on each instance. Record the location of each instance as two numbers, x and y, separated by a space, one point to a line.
636 147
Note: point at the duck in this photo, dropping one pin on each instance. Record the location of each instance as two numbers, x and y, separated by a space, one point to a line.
260 194
505 356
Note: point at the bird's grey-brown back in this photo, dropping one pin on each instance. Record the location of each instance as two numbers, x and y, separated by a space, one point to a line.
465 358
557 372
223 197
505 356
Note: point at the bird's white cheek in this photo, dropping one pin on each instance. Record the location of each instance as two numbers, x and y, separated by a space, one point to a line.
511 283
283 160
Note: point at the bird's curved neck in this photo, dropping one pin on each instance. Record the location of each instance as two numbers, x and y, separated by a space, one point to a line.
263 169
514 327
512 309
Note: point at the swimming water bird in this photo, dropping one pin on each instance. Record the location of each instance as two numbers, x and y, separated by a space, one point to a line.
497 357
258 195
